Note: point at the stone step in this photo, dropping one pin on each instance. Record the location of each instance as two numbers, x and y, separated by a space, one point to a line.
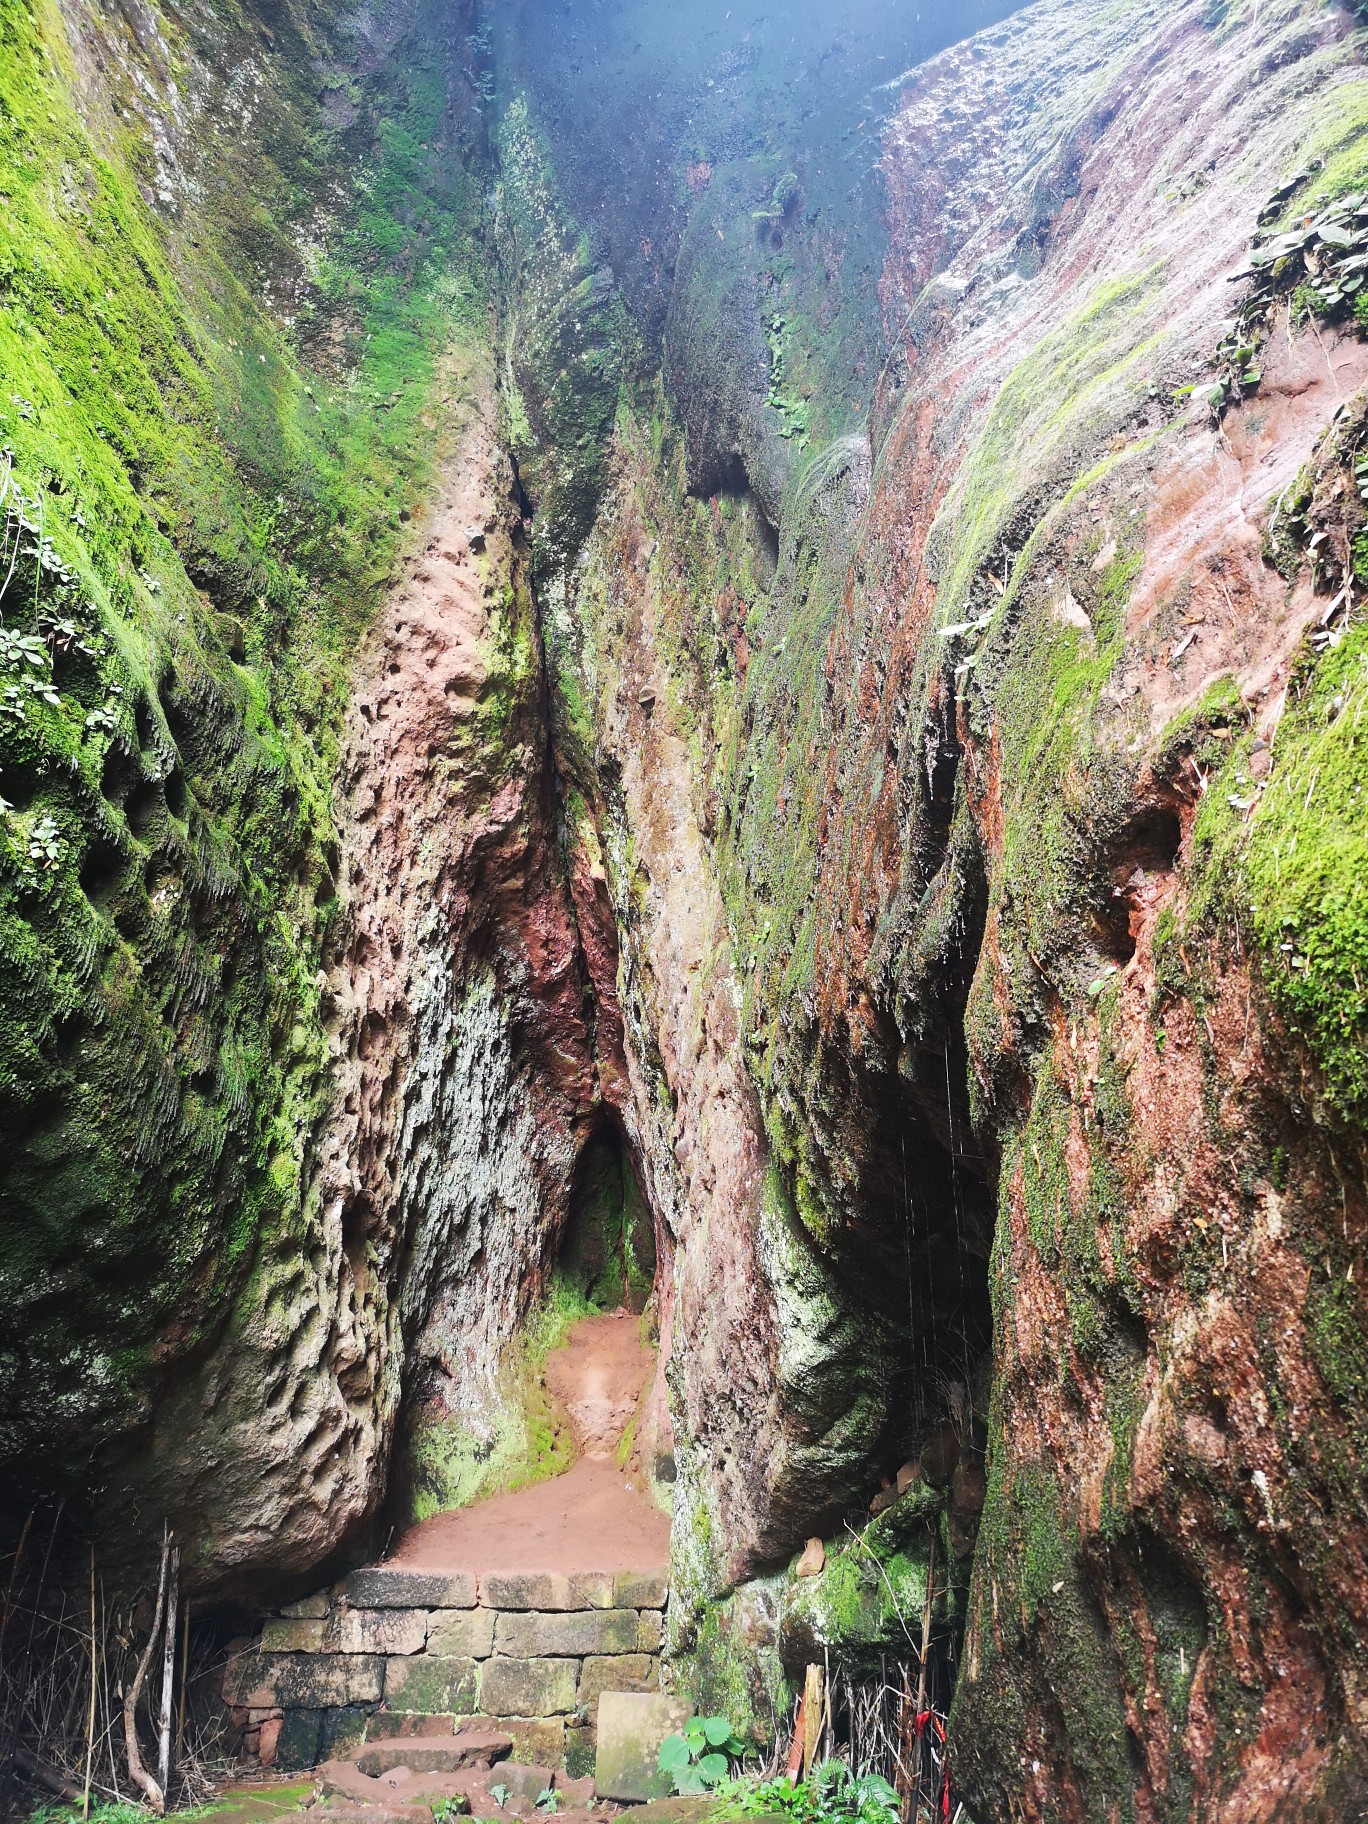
469 1773
391 1586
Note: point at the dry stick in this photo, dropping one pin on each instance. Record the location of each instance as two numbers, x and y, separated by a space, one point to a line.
827 1742
903 1783
107 1710
185 1680
136 1771
14 1572
12 1744
90 1724
169 1668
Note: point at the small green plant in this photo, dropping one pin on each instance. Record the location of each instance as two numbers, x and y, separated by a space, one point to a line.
500 1794
832 1794
102 1811
446 1811
702 1756
548 1801
45 842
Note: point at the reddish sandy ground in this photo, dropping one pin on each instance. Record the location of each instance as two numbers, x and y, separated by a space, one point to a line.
589 1519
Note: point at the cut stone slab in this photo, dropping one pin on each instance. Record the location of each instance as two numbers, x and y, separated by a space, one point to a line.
641 1589
477 1747
382 1586
591 1589
463 1633
631 1727
432 1682
297 1743
342 1731
532 1635
406 1725
378 1630
686 1809
525 1590
620 1672
554 1590
650 1631
291 1636
304 1681
522 1779
402 1786
308 1607
529 1687
539 1739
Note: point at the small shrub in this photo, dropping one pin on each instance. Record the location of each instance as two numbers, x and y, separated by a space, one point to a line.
831 1795
702 1756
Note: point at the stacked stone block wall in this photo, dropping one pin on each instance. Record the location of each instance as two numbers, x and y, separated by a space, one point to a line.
410 1652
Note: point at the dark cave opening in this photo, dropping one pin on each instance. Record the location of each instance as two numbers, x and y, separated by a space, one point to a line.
608 1248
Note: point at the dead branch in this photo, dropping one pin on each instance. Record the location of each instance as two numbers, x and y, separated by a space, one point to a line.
139 1775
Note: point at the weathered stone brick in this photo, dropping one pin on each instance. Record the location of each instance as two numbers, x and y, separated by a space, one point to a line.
538 1741
304 1681
640 1589
534 1635
525 1590
619 1672
341 1731
297 1742
378 1630
292 1636
433 1683
529 1687
556 1590
467 1633
385 1725
591 1590
650 1630
308 1608
384 1586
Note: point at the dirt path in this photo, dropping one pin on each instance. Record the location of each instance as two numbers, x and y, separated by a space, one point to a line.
590 1518
597 1375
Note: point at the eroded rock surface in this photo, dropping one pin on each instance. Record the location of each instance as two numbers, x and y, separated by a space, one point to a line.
900 780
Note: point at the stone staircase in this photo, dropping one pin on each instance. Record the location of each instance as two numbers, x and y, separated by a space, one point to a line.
399 1652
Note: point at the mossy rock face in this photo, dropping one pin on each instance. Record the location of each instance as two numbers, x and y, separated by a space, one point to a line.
201 498
566 338
980 810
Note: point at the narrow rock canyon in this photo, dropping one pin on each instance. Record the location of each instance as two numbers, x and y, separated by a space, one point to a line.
684 901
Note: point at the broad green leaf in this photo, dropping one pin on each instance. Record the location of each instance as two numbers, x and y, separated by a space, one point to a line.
712 1768
674 1752
717 1729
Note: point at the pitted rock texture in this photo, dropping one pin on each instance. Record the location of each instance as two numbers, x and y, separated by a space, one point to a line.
463 1067
984 763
